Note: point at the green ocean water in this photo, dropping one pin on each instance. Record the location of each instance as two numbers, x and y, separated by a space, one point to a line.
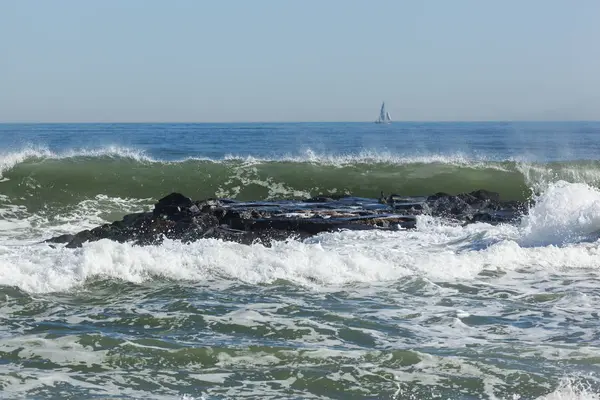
444 311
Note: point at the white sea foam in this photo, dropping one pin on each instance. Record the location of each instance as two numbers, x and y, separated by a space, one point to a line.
564 213
19 226
338 260
11 158
572 389
368 157
553 252
530 167
539 176
549 239
536 175
249 176
542 257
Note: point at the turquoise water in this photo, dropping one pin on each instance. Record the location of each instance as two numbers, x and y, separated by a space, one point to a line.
443 311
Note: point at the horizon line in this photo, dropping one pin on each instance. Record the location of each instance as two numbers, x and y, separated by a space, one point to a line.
291 122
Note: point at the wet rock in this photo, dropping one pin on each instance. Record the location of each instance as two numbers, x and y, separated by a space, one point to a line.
175 206
485 195
448 205
472 206
323 198
177 217
81 238
437 196
61 239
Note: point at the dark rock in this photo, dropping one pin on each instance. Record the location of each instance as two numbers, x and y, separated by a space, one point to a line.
413 208
504 216
437 196
324 199
130 218
516 205
319 199
174 199
449 206
466 205
177 217
485 195
174 206
81 238
208 205
309 226
61 239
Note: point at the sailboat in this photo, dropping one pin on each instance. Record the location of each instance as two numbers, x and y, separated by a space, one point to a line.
384 116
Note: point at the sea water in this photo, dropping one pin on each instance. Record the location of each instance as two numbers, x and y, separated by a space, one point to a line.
442 311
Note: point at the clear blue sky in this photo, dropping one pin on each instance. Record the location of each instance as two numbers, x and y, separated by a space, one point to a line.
298 60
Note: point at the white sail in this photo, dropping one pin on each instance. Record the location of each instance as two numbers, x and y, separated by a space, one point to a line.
384 116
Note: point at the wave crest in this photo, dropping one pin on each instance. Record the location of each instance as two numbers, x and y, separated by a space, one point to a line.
39 177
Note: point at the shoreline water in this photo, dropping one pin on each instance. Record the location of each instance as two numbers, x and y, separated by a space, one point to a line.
486 309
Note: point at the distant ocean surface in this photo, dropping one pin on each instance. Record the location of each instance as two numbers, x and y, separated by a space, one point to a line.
444 311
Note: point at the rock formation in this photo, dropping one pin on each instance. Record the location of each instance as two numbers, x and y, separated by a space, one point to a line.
178 217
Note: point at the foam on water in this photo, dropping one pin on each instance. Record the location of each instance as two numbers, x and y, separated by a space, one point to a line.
527 165
556 242
12 158
539 176
443 311
556 235
18 226
40 177
564 213
9 159
34 173
365 157
572 389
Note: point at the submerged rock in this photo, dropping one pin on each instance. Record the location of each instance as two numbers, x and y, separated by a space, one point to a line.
180 218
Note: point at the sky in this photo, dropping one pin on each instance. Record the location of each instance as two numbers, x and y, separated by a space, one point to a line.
298 60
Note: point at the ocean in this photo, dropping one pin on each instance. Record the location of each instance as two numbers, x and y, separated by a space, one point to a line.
444 311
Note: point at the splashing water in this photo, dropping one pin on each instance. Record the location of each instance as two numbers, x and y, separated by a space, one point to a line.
564 213
441 311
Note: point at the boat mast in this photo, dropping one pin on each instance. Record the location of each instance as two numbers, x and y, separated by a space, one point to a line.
384 116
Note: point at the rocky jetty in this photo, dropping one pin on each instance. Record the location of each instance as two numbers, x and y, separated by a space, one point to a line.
179 217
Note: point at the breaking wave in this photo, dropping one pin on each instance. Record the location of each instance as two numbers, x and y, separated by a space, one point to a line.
38 178
440 286
557 234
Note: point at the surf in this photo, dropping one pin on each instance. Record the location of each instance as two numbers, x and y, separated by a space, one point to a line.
40 178
442 285
555 235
